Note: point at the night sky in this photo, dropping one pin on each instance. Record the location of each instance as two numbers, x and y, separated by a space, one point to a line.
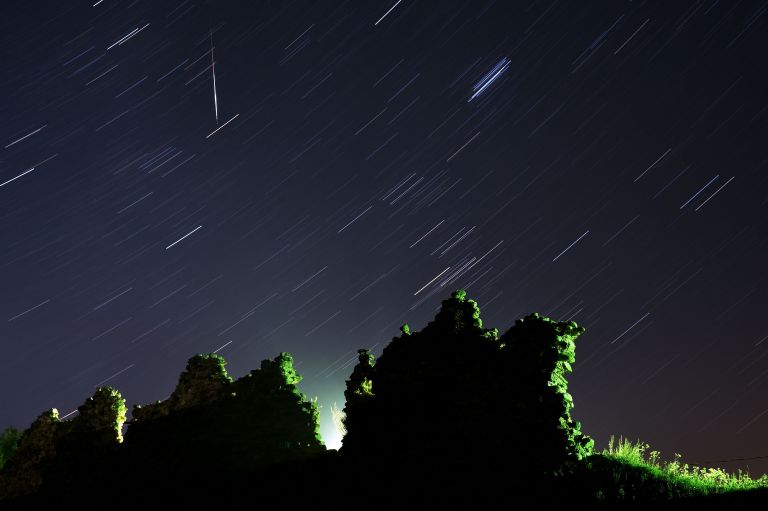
180 177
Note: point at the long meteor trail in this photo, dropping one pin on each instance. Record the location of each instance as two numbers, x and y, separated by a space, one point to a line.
178 240
213 71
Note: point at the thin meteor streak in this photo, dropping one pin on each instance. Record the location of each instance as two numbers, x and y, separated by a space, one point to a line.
700 190
630 328
116 374
723 186
569 246
25 136
17 177
431 281
127 36
390 10
358 216
217 129
178 240
432 229
222 347
213 71
29 310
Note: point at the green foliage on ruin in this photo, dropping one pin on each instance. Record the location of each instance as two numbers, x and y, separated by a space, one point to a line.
543 351
63 450
258 419
9 441
103 412
204 380
455 385
358 393
209 422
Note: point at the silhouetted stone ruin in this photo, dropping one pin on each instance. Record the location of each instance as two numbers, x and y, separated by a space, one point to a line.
446 402
204 380
259 419
51 448
456 390
208 424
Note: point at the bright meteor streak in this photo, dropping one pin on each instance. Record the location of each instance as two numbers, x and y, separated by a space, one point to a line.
213 71
17 177
390 10
178 240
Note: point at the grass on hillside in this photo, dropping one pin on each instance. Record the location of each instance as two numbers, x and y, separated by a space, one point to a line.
696 480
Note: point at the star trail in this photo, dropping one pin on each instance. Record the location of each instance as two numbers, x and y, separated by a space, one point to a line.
340 167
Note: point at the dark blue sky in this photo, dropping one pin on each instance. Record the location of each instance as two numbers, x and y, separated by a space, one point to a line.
609 169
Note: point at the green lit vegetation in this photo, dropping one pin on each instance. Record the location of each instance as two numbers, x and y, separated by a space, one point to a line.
9 440
688 479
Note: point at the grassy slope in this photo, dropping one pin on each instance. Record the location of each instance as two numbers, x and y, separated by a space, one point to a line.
633 471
